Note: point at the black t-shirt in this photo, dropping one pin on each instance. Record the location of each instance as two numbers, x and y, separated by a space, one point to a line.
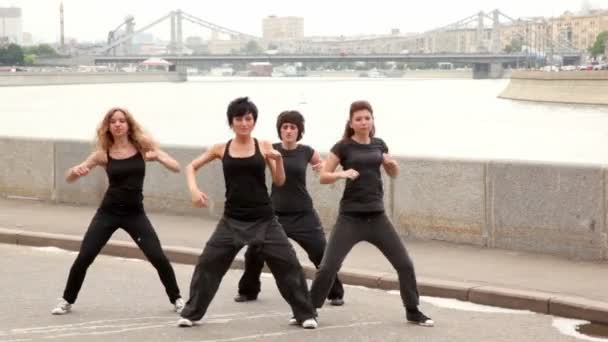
365 194
293 197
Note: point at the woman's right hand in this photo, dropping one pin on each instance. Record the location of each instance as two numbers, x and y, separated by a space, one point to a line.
199 199
349 174
80 170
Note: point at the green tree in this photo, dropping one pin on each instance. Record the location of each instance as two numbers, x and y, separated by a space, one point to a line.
46 50
252 48
514 46
600 44
12 54
29 59
42 50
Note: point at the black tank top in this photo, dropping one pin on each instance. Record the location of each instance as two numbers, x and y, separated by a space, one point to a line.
246 192
126 178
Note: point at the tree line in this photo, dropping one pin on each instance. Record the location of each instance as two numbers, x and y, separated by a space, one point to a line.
13 54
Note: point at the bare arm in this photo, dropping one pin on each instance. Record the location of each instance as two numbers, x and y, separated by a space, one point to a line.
96 158
164 158
329 174
274 160
199 199
390 165
316 162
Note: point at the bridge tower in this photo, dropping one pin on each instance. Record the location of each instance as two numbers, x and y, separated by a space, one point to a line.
173 33
495 42
177 42
480 32
129 29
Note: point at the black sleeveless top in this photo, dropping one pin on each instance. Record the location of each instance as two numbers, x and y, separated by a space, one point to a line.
246 192
126 178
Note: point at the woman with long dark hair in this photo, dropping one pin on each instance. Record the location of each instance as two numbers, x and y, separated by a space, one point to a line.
362 216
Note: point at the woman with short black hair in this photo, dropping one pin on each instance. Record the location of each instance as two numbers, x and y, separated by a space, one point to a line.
248 219
293 206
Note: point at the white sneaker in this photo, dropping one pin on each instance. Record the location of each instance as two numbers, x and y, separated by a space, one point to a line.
179 305
184 323
293 321
310 323
62 307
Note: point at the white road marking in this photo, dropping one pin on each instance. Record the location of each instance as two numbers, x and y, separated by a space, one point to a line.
567 327
291 332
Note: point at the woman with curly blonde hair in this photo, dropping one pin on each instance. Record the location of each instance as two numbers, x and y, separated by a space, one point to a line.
122 149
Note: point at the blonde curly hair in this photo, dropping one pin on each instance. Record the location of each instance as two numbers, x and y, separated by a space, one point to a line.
142 141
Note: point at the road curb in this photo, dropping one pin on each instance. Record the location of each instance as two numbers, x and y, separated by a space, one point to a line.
536 301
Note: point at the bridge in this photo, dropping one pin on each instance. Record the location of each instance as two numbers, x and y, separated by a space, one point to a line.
485 65
449 43
477 33
295 58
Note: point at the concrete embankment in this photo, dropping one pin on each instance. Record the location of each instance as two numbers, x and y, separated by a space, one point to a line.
439 74
416 74
559 209
578 87
12 79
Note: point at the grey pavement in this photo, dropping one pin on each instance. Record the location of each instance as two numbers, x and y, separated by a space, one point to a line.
123 300
500 271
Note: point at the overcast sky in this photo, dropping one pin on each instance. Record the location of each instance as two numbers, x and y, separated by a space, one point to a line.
92 19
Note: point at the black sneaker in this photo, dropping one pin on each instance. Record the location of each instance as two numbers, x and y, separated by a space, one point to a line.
244 298
417 317
336 301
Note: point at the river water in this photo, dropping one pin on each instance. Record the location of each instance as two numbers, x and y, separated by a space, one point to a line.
445 118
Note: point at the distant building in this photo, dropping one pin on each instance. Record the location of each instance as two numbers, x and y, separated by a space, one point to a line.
194 41
11 24
197 44
222 47
143 38
27 39
282 28
569 29
579 30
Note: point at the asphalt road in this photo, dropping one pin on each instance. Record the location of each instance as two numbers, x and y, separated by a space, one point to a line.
123 300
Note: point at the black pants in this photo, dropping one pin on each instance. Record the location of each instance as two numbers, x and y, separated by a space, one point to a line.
377 230
268 237
311 240
103 225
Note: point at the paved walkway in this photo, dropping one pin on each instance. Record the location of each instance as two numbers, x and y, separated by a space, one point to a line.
434 261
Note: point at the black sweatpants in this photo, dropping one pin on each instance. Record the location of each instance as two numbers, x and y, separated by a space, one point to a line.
103 225
377 230
268 237
311 240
